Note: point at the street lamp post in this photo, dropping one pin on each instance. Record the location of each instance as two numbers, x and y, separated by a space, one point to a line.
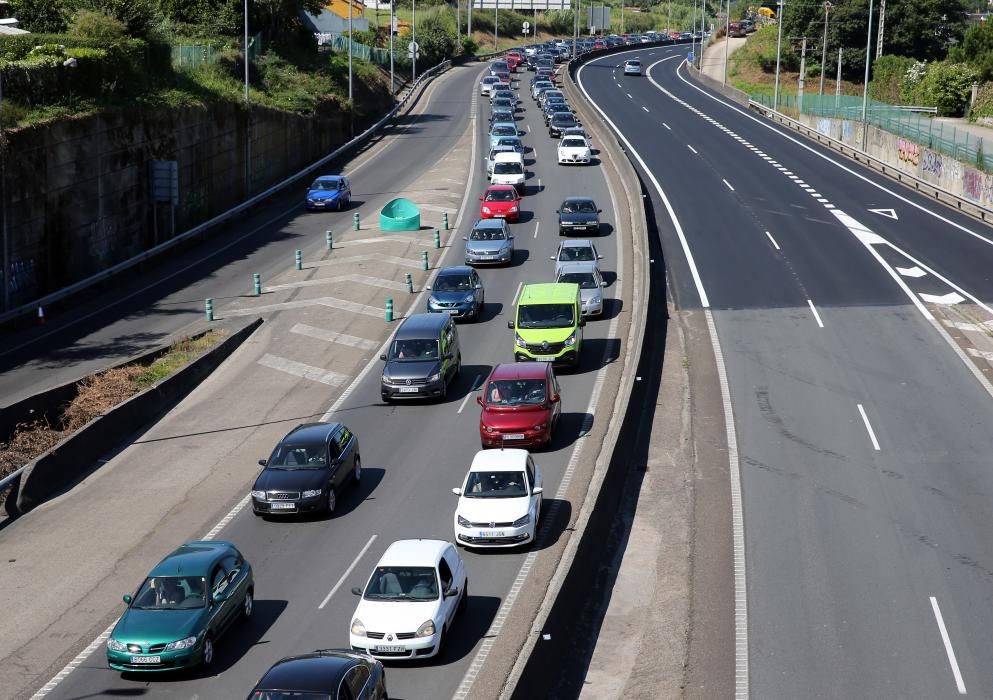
865 86
393 85
779 51
727 40
413 40
496 27
351 6
248 131
827 8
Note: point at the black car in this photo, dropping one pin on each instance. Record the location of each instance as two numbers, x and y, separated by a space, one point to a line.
307 470
559 122
331 674
578 215
553 106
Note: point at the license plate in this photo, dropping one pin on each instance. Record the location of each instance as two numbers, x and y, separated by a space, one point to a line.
408 390
146 659
388 649
513 436
492 533
283 506
541 358
453 312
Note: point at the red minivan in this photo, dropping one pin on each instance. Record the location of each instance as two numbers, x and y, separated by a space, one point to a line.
521 405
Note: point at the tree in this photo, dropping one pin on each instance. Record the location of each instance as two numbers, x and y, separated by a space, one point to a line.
436 38
279 19
976 49
40 16
97 25
140 17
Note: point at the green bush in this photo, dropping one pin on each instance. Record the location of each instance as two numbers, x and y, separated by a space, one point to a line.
976 49
97 25
911 85
887 74
983 106
436 37
948 86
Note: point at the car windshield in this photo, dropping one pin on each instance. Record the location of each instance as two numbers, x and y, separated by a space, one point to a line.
578 207
414 350
500 196
487 234
585 280
545 316
171 593
503 103
508 169
504 95
495 485
504 130
576 254
489 80
452 283
516 392
324 185
402 583
573 143
563 118
288 695
298 457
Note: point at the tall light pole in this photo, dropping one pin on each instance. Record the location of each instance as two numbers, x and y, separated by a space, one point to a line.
496 27
468 29
882 25
248 116
413 40
865 86
246 53
827 8
727 40
393 85
779 51
351 6
575 29
668 19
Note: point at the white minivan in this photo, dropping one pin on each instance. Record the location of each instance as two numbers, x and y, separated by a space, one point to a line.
508 169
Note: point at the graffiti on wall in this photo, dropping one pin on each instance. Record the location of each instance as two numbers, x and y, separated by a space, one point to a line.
21 278
824 126
932 163
908 152
846 130
972 184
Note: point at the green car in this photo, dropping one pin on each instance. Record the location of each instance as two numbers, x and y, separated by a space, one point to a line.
548 324
188 600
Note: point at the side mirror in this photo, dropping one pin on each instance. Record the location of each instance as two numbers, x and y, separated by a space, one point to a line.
356 590
599 257
551 257
480 199
448 356
556 211
383 358
263 462
510 325
457 491
219 597
510 237
465 238
479 400
127 599
599 211
478 286
582 322
427 287
452 591
556 398
536 490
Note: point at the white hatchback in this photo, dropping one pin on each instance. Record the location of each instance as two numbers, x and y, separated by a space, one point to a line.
410 601
487 85
574 149
500 500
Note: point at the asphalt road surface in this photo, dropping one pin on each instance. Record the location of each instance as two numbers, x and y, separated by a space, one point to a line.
864 439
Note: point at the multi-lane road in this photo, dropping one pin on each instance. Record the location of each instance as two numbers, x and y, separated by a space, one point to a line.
863 434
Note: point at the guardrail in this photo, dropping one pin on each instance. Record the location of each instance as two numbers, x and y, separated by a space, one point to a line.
57 296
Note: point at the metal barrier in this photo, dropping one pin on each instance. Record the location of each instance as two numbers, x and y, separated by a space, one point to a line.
55 297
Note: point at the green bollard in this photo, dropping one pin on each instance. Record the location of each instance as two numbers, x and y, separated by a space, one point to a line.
299 260
209 305
437 239
410 282
424 260
328 239
444 218
355 216
389 310
257 283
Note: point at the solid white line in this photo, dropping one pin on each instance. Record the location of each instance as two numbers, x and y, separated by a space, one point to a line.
348 571
629 95
475 385
644 108
817 316
691 148
948 646
516 294
728 184
868 427
773 240
667 126
536 225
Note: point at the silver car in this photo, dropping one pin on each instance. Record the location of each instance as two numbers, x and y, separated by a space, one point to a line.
590 282
489 242
576 250
491 157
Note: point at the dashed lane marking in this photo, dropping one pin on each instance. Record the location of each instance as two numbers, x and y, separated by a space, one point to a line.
333 337
299 369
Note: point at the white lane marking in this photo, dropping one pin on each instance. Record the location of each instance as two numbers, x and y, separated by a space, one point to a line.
516 294
984 327
728 184
347 573
981 354
368 257
338 279
304 371
618 84
540 188
333 336
475 386
773 240
536 225
687 253
817 316
378 239
436 208
868 428
911 271
332 302
629 96
945 299
888 213
644 108
949 651
737 522
667 126
691 148
529 128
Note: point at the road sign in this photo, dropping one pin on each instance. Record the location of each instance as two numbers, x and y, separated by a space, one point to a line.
412 47
526 26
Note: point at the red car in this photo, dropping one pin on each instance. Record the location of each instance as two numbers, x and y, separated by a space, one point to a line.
513 61
599 45
500 202
503 77
521 406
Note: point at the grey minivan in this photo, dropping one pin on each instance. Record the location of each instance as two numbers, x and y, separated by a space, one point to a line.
423 359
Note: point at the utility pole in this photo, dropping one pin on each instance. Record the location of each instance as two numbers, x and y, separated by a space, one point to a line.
837 83
393 85
468 29
351 7
779 51
865 85
827 8
248 112
458 21
803 70
668 19
413 39
727 40
496 27
882 24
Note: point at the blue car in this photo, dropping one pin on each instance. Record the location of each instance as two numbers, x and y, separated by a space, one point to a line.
457 291
329 192
500 130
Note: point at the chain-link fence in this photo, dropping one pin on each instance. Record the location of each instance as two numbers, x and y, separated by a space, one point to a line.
381 57
193 56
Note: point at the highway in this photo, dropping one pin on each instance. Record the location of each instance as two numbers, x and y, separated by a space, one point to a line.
412 454
863 433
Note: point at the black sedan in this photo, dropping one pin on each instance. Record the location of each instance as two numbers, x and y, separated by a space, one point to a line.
327 673
578 215
559 122
307 470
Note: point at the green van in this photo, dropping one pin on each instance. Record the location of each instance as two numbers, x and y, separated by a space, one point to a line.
548 324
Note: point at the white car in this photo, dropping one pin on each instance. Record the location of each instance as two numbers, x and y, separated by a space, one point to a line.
508 169
632 67
574 149
499 501
486 85
410 601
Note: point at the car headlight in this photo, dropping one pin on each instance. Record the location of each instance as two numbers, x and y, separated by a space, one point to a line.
463 522
181 644
259 495
432 301
539 427
521 342
311 493
570 341
425 630
115 645
489 428
358 629
486 210
505 249
513 209
597 299
386 378
521 522
434 377
469 298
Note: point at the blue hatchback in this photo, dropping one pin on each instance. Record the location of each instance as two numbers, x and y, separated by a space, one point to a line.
329 192
457 291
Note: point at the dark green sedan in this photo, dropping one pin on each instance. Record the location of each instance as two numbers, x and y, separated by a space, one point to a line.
188 600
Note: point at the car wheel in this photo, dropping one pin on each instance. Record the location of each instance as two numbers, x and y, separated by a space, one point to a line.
341 204
458 367
332 502
357 475
248 605
208 651
441 643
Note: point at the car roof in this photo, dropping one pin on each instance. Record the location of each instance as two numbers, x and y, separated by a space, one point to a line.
321 671
520 370
310 433
419 325
506 460
192 558
508 124
490 223
454 270
577 267
508 156
569 200
501 187
328 178
548 293
413 553
576 243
